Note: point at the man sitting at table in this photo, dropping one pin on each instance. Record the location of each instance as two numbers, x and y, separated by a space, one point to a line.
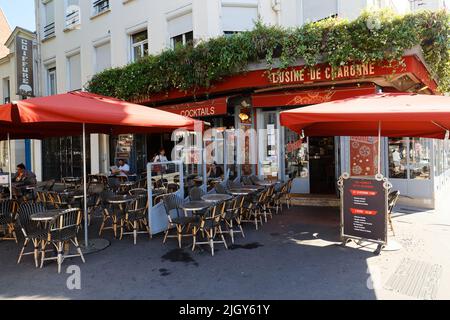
123 169
23 179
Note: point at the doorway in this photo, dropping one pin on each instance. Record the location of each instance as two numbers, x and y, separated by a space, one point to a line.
322 163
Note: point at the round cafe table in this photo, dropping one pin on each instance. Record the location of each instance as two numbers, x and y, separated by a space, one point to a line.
194 206
241 191
216 197
266 183
46 216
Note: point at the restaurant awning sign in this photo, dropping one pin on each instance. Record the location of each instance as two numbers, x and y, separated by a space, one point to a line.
364 208
24 57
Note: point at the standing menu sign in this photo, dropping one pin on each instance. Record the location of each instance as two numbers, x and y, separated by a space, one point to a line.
24 55
364 209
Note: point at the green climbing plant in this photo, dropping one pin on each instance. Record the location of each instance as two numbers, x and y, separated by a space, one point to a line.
372 37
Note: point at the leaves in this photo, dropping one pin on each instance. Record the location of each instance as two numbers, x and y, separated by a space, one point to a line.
374 36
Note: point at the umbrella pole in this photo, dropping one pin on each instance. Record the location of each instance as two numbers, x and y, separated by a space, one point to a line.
379 147
85 188
9 167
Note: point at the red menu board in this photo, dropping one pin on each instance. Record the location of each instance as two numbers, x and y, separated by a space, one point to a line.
364 209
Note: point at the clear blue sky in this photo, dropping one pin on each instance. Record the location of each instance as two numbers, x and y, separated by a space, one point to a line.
19 13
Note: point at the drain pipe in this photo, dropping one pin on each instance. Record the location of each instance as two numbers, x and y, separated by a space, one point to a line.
276 6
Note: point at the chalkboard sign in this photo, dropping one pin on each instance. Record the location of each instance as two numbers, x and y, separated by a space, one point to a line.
364 209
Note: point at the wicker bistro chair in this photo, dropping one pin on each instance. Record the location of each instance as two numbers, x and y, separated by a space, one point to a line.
180 222
286 193
246 180
210 226
392 201
252 209
61 234
135 218
196 193
8 212
254 179
232 218
30 229
219 188
110 212
137 192
277 203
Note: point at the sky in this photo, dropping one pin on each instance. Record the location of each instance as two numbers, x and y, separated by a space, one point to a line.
19 13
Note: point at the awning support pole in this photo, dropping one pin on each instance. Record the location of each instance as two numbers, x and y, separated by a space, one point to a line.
9 167
379 147
85 189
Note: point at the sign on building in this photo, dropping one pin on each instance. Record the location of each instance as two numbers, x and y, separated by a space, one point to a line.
24 54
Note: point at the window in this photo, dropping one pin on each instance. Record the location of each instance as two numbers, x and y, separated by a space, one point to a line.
237 18
139 45
49 19
102 57
72 13
6 91
319 9
180 30
296 159
100 6
51 81
182 39
409 158
74 72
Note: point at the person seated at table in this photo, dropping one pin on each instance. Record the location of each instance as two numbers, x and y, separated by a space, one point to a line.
214 171
22 179
123 169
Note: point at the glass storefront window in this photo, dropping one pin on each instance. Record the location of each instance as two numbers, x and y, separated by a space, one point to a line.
398 148
419 158
410 158
296 155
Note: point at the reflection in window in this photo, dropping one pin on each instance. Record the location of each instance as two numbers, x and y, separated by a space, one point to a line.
419 160
296 158
397 158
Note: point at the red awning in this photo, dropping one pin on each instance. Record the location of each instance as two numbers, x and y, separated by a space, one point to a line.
5 113
307 97
399 114
206 108
62 115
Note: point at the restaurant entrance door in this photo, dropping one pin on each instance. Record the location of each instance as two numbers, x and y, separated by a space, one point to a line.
322 165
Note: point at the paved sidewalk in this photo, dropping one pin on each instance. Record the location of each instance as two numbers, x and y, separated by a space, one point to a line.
294 256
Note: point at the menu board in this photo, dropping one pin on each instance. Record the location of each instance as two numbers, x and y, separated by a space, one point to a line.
124 147
364 209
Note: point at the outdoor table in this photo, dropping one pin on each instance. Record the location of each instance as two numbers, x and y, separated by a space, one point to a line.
46 216
251 187
216 197
119 199
266 183
241 191
194 206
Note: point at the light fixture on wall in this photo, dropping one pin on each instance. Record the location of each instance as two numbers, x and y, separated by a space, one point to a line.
244 115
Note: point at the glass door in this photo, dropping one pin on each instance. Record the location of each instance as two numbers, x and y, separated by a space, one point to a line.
269 145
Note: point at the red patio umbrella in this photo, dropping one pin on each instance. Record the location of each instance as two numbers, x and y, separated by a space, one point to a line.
77 113
383 114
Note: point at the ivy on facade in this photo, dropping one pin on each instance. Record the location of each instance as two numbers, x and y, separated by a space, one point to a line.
373 37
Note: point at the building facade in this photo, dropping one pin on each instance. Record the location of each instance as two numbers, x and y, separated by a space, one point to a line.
11 73
79 38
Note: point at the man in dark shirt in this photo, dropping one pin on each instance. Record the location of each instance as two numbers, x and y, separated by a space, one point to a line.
22 179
